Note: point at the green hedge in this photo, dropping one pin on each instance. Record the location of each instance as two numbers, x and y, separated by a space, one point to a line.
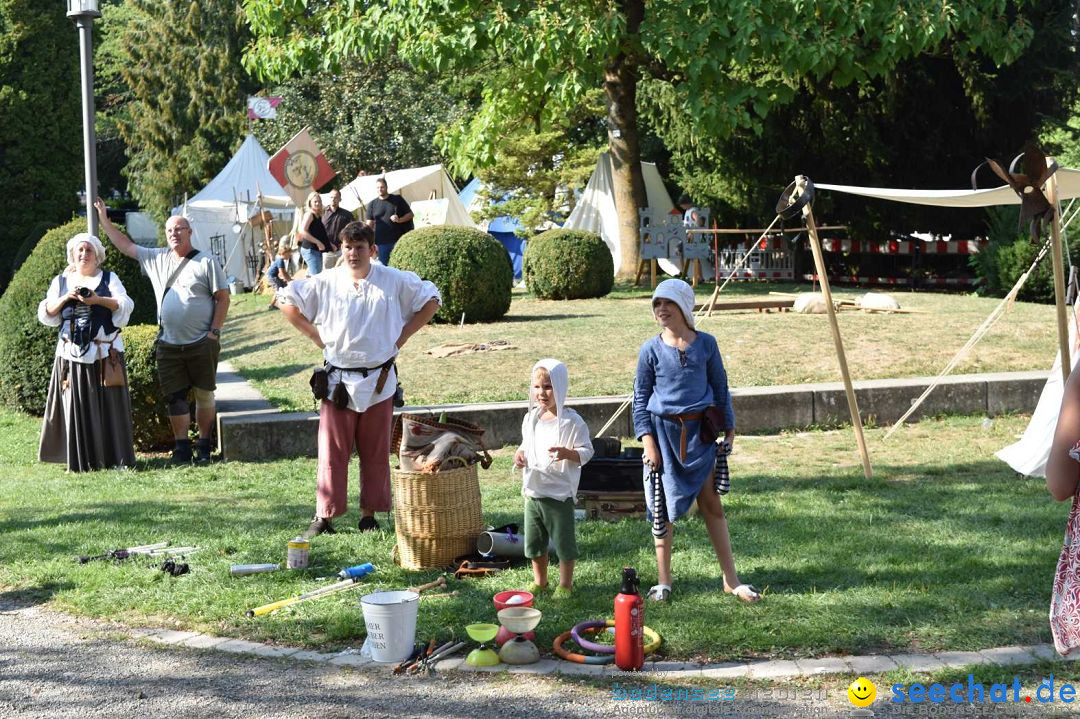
1010 252
567 265
27 346
471 269
150 418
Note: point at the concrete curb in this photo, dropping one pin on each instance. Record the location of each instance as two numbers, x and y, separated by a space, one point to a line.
776 669
250 431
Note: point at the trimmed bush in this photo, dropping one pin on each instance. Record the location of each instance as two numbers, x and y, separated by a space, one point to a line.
150 419
567 265
471 269
1009 254
27 346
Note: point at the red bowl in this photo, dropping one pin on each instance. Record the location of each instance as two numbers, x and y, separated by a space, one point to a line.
502 597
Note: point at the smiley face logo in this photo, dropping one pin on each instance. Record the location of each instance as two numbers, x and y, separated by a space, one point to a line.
862 692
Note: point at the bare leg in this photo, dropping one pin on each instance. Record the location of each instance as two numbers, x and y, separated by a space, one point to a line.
566 573
204 417
663 556
180 424
712 511
540 569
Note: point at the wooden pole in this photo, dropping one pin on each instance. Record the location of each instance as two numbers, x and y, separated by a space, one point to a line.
1059 277
853 405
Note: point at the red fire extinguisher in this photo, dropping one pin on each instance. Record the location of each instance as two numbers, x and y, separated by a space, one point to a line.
629 624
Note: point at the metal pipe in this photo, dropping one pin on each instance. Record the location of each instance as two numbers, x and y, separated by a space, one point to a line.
85 23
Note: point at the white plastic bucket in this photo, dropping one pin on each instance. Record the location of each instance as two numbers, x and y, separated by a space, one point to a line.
390 618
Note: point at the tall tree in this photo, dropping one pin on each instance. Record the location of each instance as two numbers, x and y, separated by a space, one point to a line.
40 125
182 65
698 69
928 124
112 96
365 117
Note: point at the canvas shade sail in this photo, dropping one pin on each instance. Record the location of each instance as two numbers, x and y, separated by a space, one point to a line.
1068 188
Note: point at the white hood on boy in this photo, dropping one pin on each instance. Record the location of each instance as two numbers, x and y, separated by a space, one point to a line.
541 476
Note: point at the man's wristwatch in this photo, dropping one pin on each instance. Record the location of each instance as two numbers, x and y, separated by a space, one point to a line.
216 332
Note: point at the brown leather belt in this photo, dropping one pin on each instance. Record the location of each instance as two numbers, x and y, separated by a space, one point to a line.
681 419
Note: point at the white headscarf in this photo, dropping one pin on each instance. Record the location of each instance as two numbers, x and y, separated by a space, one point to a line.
75 241
681 294
559 382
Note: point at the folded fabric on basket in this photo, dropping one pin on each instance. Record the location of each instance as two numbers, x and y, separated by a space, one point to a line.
426 444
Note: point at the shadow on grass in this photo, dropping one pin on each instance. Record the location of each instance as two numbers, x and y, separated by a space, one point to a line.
236 349
277 371
515 319
956 556
16 599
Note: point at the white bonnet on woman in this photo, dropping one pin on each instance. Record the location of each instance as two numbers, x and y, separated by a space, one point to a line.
75 241
679 292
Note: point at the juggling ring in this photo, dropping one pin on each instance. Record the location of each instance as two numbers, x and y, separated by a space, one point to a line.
557 646
597 625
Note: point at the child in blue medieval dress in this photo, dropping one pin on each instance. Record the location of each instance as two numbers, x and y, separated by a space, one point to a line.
554 444
679 376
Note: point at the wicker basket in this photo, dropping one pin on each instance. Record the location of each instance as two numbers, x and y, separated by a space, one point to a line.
437 516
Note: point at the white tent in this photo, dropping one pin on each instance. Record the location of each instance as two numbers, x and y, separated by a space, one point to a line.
595 210
221 210
1029 454
428 190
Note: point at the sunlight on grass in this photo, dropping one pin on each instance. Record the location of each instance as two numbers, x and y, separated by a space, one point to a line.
599 340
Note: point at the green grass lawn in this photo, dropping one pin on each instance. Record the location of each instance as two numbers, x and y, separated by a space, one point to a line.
944 549
599 340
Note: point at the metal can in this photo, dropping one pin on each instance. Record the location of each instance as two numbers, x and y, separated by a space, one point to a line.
240 570
299 549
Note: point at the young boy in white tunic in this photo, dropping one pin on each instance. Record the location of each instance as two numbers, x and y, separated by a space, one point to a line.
554 444
360 314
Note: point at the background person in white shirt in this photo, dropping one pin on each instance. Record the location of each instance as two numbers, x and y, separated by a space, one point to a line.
360 314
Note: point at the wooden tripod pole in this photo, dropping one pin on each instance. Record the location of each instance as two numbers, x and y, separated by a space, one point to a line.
853 405
1059 277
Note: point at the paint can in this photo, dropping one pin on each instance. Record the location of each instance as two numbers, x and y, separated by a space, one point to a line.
299 549
240 570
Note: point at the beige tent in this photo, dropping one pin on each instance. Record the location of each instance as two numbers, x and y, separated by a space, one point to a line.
428 190
595 210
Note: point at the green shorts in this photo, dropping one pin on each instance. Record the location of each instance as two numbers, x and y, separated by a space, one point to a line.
181 367
550 519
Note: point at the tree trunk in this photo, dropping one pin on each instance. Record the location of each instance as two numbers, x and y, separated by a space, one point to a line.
620 86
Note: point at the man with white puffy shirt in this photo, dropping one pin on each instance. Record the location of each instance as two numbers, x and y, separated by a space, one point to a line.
360 314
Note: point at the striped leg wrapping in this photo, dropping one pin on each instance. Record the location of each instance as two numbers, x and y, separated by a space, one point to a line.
659 506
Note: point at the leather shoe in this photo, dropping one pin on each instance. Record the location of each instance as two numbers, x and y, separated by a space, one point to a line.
368 524
319 525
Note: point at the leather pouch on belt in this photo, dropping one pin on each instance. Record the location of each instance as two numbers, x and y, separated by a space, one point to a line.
340 397
712 424
320 384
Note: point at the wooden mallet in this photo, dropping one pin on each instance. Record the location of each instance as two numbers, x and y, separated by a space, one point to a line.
440 582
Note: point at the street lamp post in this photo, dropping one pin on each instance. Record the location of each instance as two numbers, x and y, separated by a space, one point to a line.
83 13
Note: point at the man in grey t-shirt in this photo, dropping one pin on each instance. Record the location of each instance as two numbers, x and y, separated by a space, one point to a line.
192 299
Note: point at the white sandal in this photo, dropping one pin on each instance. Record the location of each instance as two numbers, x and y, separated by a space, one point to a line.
659 592
747 592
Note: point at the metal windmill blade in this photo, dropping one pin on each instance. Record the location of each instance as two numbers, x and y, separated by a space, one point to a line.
1034 207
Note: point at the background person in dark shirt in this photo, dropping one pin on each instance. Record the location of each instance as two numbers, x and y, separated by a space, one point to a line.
391 217
334 219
